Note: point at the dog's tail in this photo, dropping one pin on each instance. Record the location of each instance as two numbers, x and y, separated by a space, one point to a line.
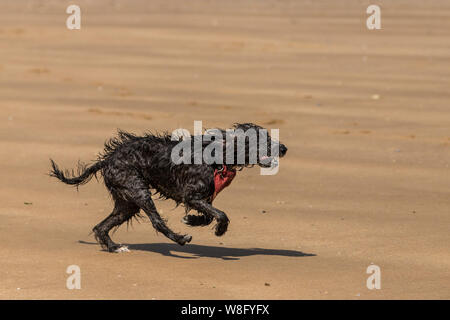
84 175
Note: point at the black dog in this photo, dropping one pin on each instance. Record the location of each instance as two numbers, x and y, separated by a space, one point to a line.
132 165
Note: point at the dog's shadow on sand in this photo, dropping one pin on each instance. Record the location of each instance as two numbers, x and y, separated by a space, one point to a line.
195 251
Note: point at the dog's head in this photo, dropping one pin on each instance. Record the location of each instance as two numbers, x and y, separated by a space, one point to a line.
250 144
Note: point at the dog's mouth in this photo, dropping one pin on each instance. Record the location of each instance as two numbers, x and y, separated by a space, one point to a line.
268 162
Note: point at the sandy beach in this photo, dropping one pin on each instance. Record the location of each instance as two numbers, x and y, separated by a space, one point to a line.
365 115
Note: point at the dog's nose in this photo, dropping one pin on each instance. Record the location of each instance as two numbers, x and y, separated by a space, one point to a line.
283 149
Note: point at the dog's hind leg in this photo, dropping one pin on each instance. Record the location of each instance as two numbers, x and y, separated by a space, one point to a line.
207 209
144 201
123 211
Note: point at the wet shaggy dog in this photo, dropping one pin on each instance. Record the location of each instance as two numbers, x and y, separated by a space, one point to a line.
133 166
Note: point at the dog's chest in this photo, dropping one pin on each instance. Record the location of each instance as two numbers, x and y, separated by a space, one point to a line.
222 179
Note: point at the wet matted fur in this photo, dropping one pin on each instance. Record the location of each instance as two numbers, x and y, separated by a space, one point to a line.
134 166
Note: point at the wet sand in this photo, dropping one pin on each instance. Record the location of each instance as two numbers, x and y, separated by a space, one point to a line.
365 115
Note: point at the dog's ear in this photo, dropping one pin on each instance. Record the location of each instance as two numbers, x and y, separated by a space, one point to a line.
246 126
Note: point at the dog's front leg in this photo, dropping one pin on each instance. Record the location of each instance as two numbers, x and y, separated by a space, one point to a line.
207 209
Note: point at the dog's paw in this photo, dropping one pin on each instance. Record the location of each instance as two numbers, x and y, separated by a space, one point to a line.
122 249
221 228
185 239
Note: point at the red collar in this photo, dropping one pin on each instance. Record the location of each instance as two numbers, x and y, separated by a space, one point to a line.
222 179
